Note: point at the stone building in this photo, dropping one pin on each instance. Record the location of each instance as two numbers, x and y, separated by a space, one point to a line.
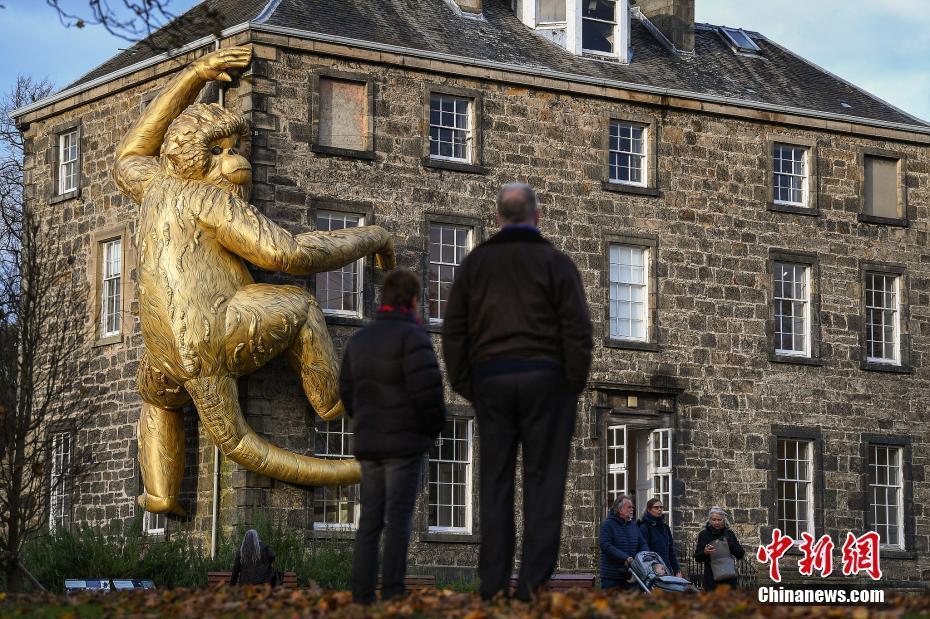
752 232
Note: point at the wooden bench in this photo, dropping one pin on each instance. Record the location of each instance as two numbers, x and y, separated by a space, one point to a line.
562 582
214 579
415 582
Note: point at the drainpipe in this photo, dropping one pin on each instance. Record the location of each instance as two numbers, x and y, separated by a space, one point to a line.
216 450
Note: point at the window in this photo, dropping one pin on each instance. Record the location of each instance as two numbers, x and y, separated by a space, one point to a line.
60 481
335 507
886 494
660 465
880 197
795 500
448 244
790 175
111 308
627 153
598 26
739 40
68 161
616 463
450 478
340 292
548 11
882 311
450 128
343 115
154 524
792 309
629 289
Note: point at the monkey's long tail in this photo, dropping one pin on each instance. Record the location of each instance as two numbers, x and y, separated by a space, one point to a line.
217 401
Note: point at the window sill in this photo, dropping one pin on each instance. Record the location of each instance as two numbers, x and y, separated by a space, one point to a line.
897 553
62 197
433 327
343 152
436 537
872 366
794 209
455 166
794 360
634 189
349 321
106 341
883 221
630 345
346 534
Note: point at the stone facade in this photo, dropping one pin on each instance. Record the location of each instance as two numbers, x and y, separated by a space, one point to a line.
710 374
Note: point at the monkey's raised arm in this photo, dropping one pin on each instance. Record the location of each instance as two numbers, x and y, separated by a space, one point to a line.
136 155
243 230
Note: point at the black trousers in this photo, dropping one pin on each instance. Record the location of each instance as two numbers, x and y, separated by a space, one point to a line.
388 495
534 409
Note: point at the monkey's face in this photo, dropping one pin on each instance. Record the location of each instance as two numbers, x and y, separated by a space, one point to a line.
229 169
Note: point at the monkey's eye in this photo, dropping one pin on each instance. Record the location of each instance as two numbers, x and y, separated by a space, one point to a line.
216 150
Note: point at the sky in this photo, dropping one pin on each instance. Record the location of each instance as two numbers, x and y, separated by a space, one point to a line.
882 46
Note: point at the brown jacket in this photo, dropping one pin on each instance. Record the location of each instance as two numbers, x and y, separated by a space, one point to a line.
516 297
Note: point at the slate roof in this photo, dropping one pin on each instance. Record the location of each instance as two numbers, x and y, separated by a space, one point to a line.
774 77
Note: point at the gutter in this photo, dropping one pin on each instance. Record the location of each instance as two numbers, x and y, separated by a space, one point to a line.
484 64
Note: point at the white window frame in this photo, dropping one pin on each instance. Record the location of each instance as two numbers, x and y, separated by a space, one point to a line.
614 432
617 288
660 468
59 508
111 287
468 130
800 483
642 157
542 22
68 155
154 524
894 309
358 265
345 495
893 486
616 27
780 147
468 481
781 300
441 264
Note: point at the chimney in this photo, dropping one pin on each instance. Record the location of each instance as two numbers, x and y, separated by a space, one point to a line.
472 7
673 18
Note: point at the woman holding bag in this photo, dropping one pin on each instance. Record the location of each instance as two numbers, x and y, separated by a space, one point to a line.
718 549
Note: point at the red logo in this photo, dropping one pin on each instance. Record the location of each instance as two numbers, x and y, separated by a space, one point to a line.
773 552
860 554
817 555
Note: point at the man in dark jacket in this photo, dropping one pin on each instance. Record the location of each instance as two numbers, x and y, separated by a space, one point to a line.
517 343
620 540
391 387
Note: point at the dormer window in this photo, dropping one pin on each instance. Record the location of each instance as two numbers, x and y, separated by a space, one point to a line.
739 40
599 26
550 11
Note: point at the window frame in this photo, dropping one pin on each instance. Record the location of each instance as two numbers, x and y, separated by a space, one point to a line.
95 275
365 211
863 217
662 471
649 187
60 489
906 550
544 23
317 527
817 476
476 238
54 155
650 243
367 153
725 32
812 263
903 336
469 529
616 34
154 531
812 205
614 469
476 114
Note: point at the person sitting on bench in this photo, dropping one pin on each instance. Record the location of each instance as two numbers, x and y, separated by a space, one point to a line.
253 563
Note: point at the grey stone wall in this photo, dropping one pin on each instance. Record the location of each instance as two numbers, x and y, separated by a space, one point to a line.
711 375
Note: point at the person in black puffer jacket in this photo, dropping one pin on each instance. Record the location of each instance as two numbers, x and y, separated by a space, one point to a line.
619 540
658 534
391 387
709 544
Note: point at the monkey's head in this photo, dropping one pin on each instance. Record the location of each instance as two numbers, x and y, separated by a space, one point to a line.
209 143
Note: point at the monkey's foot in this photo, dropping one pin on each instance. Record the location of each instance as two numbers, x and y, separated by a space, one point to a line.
386 259
160 505
334 413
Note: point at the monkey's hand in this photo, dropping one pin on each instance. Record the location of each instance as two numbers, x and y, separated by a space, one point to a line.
216 66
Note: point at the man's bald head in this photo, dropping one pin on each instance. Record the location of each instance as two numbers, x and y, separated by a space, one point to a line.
517 204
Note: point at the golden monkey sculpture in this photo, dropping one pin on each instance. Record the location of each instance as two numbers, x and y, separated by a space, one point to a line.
204 319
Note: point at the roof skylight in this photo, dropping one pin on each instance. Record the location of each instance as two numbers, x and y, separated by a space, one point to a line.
738 38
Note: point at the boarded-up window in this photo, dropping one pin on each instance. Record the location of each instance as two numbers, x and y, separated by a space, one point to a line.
550 11
881 188
343 121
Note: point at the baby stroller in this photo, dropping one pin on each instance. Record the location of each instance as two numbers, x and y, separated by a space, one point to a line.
650 571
